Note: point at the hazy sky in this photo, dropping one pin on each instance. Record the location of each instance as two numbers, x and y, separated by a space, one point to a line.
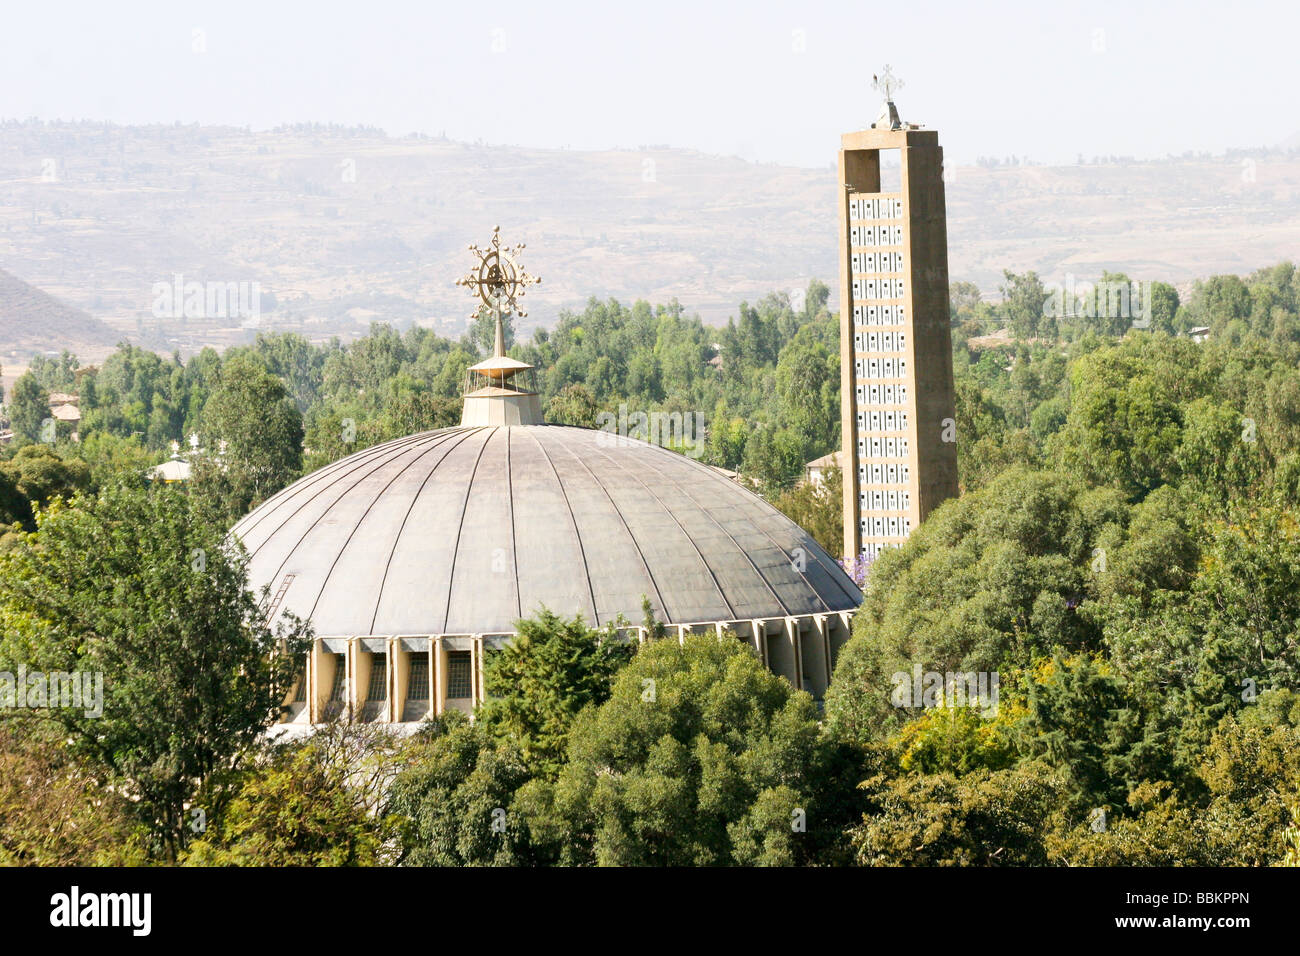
773 82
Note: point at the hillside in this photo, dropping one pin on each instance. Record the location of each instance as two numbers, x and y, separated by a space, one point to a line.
340 227
32 320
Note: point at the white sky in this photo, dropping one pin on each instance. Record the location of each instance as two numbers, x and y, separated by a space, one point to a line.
1044 79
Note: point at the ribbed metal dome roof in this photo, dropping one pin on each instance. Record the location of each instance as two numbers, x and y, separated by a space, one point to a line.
466 530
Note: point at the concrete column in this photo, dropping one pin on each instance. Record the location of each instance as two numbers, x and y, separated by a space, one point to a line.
479 691
758 634
796 650
399 674
782 650
355 695
821 678
318 682
438 675
842 632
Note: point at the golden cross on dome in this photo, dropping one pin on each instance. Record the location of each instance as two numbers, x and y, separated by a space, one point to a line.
498 279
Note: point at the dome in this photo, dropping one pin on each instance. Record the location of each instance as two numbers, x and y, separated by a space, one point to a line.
466 530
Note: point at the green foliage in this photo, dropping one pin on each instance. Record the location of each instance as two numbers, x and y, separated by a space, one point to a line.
455 796
55 809
572 405
484 329
818 509
1075 724
1024 298
986 818
1160 831
29 407
1251 769
55 375
958 739
699 757
135 586
539 682
313 803
1124 556
1198 652
990 582
258 431
38 474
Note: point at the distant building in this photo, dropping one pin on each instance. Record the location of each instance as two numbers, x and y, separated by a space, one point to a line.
1200 333
66 413
172 470
816 469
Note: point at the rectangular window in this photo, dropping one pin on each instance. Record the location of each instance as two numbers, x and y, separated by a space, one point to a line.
338 690
300 693
340 677
377 692
459 675
418 689
378 678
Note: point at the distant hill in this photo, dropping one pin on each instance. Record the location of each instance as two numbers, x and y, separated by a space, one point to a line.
33 321
342 227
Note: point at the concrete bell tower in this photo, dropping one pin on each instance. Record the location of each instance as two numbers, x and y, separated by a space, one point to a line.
899 450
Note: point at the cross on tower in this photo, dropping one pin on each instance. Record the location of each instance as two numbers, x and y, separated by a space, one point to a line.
886 83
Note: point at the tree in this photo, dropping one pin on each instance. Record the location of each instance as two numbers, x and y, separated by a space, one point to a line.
1164 307
1073 724
981 819
134 586
251 412
37 474
957 738
539 682
815 299
572 405
1214 456
990 582
1122 431
701 756
55 809
1204 646
807 392
1250 771
818 509
1156 830
963 297
453 801
29 407
1023 302
313 803
416 411
1220 300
